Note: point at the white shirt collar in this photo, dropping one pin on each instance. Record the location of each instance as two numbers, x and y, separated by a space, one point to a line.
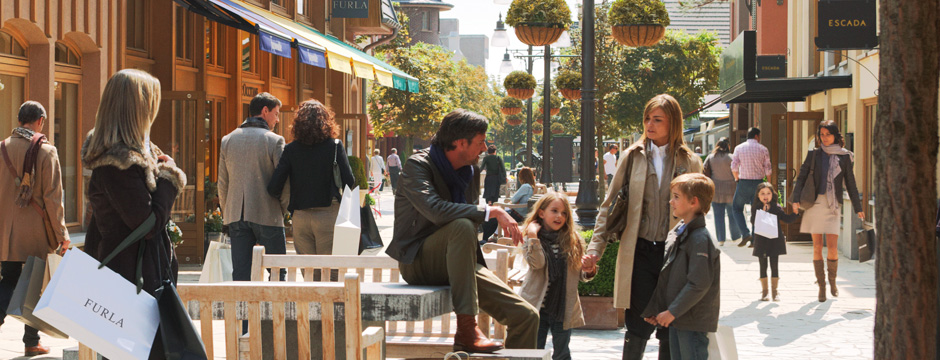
658 150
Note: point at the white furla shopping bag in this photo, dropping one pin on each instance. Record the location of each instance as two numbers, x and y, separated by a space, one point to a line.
766 224
99 308
347 230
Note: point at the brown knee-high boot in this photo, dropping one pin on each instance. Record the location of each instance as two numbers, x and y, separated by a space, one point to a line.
763 291
833 271
773 289
820 279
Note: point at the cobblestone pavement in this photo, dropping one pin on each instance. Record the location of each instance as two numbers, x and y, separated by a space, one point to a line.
798 327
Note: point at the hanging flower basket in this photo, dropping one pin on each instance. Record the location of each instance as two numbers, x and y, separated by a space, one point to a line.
571 94
551 111
510 111
639 35
510 106
514 120
537 129
538 34
521 94
569 84
520 85
557 128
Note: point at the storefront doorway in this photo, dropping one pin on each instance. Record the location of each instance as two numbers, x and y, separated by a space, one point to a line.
787 155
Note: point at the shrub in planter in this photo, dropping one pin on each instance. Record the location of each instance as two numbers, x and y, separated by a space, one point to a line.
520 85
359 172
555 106
510 106
603 282
638 22
557 128
569 84
515 120
539 22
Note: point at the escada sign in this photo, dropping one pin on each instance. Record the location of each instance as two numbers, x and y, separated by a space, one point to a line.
351 9
846 25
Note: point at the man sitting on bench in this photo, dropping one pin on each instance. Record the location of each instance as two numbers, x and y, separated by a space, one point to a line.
435 235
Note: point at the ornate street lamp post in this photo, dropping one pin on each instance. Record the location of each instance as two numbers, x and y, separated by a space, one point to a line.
587 200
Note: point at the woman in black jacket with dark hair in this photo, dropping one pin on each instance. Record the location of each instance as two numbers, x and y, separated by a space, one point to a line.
766 249
308 162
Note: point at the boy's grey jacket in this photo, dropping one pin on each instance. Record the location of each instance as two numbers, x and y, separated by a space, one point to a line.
689 282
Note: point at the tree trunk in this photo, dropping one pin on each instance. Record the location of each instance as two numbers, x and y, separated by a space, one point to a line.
905 185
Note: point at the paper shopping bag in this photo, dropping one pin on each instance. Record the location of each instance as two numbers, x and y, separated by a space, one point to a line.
765 224
99 308
721 345
26 295
218 266
346 232
52 263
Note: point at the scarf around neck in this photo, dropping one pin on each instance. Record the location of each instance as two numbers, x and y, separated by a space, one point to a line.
255 122
835 168
557 264
457 180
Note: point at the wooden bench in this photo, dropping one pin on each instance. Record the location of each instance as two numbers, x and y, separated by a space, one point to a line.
426 338
280 295
516 269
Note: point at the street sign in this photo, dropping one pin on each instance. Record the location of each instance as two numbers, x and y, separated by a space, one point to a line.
846 25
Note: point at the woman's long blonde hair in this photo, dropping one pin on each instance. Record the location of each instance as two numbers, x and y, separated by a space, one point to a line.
673 111
128 107
568 237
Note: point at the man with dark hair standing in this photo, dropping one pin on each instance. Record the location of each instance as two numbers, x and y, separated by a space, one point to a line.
750 163
435 237
22 211
247 159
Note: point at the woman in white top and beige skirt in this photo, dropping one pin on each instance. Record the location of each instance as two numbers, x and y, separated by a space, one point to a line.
833 167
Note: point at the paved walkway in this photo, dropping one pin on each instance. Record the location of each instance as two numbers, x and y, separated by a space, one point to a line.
798 327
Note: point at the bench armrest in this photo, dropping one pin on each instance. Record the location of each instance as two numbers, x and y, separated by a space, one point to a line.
490 247
372 335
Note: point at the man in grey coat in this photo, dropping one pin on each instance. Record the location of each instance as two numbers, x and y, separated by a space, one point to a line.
435 238
247 160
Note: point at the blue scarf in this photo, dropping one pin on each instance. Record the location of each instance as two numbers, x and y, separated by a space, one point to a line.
457 180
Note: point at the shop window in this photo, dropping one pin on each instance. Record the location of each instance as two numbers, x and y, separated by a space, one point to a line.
278 67
11 96
66 56
249 55
184 34
10 47
425 21
302 7
66 140
215 44
137 22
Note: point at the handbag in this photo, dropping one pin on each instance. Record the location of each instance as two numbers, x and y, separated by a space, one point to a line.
766 224
337 179
617 211
177 331
866 244
369 238
808 194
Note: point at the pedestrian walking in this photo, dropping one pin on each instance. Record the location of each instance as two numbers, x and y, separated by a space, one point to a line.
495 177
749 165
688 296
377 169
643 176
308 163
130 180
610 163
394 169
718 168
30 193
826 168
766 249
247 159
553 249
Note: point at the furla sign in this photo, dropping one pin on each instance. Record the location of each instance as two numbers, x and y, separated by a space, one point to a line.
846 25
351 9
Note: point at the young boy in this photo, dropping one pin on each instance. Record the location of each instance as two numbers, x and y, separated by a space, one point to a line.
686 298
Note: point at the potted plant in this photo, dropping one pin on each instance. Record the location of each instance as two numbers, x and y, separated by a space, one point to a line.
362 180
510 106
569 84
597 295
213 226
514 120
520 85
638 22
557 128
554 107
539 22
176 235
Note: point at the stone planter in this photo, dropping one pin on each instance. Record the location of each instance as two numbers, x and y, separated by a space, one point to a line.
571 94
510 110
600 314
521 94
638 34
537 34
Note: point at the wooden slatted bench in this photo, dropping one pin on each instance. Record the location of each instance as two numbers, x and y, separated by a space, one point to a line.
425 338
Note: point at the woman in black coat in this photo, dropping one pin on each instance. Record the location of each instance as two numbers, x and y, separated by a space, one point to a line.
769 250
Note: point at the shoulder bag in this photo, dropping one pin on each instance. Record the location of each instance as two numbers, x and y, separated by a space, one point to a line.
337 179
617 211
808 194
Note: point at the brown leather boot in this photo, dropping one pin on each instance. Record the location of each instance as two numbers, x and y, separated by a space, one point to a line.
470 338
820 279
763 292
773 289
37 350
833 271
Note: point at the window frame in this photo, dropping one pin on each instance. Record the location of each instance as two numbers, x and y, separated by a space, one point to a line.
188 27
143 21
216 45
254 66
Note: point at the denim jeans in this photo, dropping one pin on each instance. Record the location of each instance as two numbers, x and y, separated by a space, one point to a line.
688 345
720 209
560 336
10 275
743 194
245 235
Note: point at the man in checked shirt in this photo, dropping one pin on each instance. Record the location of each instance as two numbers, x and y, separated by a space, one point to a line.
750 163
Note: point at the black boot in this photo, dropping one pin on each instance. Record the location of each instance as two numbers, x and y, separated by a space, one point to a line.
664 349
633 347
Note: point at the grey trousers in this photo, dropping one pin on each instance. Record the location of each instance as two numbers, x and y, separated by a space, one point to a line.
449 257
313 229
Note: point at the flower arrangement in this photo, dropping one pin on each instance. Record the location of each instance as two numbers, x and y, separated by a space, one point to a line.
510 102
519 80
637 12
568 80
547 13
176 235
213 221
515 120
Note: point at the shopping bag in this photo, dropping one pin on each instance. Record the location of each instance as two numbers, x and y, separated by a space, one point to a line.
99 308
180 339
765 224
218 266
370 239
26 295
721 345
866 244
52 263
346 231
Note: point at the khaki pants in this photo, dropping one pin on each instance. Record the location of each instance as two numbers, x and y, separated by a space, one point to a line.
449 257
313 230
